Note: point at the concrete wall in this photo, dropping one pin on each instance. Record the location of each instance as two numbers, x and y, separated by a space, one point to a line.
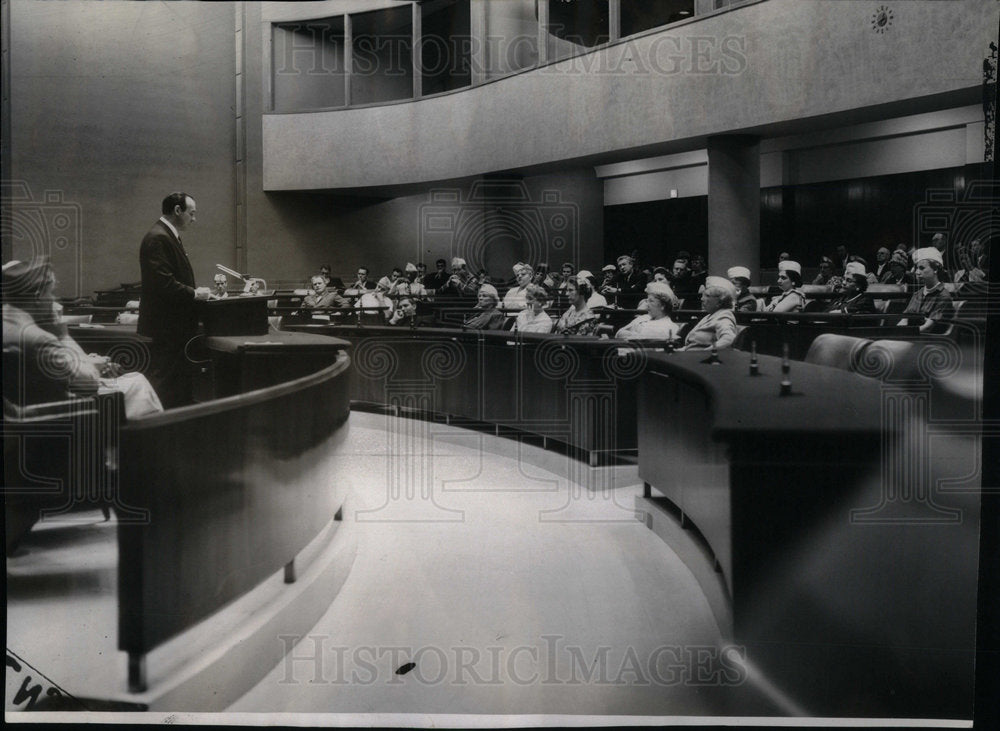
114 105
754 68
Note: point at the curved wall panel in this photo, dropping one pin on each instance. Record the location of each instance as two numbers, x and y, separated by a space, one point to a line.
756 67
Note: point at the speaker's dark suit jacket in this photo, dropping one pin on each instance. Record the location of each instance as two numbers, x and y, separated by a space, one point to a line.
167 313
166 308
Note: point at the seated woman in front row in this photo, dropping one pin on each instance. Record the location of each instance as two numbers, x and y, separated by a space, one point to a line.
487 316
718 326
48 364
579 319
532 319
791 298
932 300
852 297
656 323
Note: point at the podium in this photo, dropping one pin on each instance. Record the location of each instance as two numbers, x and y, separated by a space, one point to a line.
246 363
235 316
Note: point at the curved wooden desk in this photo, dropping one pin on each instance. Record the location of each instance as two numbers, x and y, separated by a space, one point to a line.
844 519
229 492
579 391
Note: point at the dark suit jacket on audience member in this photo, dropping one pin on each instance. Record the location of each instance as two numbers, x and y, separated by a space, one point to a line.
435 280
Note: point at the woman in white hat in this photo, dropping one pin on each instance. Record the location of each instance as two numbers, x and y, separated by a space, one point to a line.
532 319
656 323
376 298
791 298
740 278
718 326
579 319
488 316
853 297
931 300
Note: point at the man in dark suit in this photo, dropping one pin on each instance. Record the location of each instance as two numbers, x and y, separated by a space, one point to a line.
167 311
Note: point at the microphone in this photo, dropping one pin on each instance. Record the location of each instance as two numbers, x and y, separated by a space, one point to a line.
230 272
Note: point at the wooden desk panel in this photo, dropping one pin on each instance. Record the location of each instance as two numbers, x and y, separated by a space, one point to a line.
849 551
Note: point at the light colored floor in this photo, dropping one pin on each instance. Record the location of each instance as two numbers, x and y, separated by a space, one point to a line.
520 595
512 590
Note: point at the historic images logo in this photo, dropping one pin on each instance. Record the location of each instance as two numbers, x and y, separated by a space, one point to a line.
882 19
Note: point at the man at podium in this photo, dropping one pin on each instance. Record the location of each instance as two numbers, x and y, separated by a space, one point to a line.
167 312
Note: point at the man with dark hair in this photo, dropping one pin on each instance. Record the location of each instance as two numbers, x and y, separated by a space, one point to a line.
167 311
438 278
680 280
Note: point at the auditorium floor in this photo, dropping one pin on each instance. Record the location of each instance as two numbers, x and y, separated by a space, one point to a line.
485 582
518 594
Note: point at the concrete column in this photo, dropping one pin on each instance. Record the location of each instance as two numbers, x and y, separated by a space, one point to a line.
733 203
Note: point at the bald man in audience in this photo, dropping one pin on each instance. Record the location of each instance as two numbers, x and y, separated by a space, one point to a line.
882 257
322 295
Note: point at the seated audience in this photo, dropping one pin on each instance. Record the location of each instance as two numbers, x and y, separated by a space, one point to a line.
322 295
324 271
402 292
899 265
461 282
630 284
718 326
825 271
540 275
656 323
532 319
219 290
931 300
439 278
596 299
362 284
515 297
408 285
740 277
421 273
568 270
42 363
940 242
681 280
253 287
579 319
791 298
969 271
852 297
882 257
372 302
697 273
607 285
487 317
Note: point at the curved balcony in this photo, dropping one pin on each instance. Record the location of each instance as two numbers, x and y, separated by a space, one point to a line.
768 68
